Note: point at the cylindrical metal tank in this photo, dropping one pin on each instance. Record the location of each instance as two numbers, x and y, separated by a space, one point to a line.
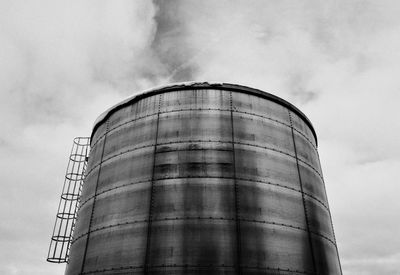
204 178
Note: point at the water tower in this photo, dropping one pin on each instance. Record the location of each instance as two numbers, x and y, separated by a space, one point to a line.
196 178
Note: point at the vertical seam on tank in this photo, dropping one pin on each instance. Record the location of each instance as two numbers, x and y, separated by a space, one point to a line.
330 215
302 196
237 199
152 192
94 198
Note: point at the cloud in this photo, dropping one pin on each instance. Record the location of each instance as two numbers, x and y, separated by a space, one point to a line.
61 53
64 62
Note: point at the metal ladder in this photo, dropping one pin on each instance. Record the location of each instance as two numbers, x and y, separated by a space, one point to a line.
69 202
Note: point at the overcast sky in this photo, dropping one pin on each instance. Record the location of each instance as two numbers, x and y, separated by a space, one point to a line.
62 63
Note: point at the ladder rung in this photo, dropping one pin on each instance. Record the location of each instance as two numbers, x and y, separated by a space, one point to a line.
69 202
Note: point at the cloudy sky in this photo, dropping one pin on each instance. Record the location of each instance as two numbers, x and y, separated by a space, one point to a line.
62 63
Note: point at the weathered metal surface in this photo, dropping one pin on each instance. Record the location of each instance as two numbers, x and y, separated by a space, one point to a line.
204 180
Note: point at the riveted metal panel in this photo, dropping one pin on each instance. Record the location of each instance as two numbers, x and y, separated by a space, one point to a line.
193 269
90 186
117 251
325 253
194 198
126 204
264 165
319 219
83 220
204 179
301 127
275 246
119 140
101 130
96 151
146 107
131 167
306 152
194 126
263 202
193 241
195 99
313 184
261 132
198 164
76 256
250 104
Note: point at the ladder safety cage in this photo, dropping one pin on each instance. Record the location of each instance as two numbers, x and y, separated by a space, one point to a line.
69 201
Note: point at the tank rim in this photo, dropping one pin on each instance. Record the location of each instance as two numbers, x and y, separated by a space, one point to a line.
198 86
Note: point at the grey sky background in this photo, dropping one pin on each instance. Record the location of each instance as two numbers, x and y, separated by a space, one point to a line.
62 63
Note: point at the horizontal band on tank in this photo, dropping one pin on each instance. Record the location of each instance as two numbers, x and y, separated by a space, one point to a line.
281 270
207 177
205 149
203 218
206 109
203 86
122 124
237 143
116 155
280 122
